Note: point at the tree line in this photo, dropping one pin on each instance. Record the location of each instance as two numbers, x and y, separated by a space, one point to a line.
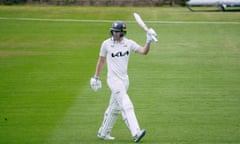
96 2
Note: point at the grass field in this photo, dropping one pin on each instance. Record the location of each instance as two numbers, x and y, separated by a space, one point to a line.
186 91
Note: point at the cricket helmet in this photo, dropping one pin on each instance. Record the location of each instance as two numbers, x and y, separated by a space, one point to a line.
119 26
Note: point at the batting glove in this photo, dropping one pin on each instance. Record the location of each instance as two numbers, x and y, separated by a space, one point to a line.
151 36
95 83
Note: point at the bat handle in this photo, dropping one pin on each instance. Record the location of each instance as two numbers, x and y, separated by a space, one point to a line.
154 38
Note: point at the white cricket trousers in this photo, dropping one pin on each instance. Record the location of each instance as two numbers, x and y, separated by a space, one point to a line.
120 103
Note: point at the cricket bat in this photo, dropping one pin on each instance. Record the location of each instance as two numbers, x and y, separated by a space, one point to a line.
144 26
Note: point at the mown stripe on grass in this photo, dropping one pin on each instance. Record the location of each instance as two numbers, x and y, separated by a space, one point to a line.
82 120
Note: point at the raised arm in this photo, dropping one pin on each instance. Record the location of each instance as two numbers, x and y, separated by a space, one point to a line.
144 50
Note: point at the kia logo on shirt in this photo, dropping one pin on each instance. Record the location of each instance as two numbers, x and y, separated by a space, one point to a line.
120 54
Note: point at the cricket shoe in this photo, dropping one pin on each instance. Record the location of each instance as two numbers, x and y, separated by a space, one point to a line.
106 137
139 136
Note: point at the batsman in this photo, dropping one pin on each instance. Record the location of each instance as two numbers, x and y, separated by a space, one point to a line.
116 51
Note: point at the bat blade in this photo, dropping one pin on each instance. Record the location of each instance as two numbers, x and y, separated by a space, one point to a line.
143 25
140 21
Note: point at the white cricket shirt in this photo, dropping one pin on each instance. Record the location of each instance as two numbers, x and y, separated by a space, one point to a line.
117 55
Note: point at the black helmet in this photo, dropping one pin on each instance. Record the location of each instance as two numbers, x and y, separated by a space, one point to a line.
119 26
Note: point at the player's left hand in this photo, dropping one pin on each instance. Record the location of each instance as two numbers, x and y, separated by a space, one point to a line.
95 83
151 36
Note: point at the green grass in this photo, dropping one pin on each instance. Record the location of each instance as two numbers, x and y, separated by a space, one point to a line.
186 91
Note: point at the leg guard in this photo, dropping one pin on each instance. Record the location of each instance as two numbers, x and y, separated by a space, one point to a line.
110 117
129 116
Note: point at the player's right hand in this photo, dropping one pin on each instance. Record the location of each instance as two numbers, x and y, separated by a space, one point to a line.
95 83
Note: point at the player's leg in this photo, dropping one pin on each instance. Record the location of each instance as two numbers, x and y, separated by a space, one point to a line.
128 114
110 117
120 96
130 119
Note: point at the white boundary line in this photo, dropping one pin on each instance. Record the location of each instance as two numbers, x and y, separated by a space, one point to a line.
53 20
194 22
110 21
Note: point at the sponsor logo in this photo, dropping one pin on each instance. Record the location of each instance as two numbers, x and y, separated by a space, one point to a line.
120 54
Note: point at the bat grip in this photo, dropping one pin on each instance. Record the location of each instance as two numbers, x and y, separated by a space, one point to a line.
154 38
